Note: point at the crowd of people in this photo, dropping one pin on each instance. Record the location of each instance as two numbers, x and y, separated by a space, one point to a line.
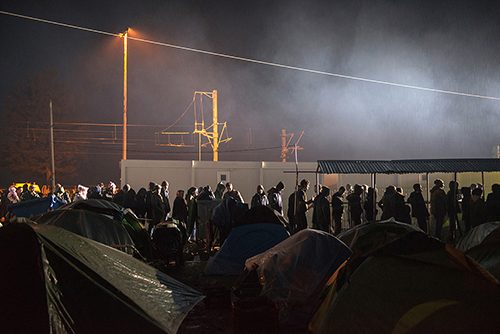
355 204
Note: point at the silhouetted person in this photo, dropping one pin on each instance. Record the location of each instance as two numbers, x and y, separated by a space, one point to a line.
231 192
130 200
418 207
298 206
466 199
402 210
453 208
371 197
493 204
354 201
119 197
274 197
438 205
165 197
259 198
157 208
180 210
338 210
477 214
388 203
219 190
140 202
321 211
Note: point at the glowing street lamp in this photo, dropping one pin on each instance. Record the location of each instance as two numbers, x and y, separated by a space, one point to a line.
124 35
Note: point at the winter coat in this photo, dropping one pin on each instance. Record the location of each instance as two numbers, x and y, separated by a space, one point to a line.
438 202
259 199
275 200
418 207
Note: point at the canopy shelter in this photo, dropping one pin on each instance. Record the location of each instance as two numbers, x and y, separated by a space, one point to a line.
423 166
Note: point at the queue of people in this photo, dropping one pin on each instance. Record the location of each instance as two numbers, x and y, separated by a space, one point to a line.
357 203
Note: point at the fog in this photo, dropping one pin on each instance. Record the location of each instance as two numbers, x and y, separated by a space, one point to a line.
450 46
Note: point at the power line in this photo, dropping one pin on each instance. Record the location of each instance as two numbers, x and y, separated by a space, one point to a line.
261 62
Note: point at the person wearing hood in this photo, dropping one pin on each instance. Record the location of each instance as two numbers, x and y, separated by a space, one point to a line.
81 193
321 211
260 198
219 190
275 199
438 205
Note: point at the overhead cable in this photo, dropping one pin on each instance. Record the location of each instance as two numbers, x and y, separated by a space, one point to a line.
261 62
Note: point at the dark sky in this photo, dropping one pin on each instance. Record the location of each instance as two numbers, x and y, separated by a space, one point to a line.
453 45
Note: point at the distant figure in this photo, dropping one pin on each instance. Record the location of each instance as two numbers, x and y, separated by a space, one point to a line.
402 210
231 192
368 205
466 200
274 197
493 204
157 208
165 197
12 196
62 194
81 193
388 203
130 200
298 206
453 208
418 207
219 190
477 214
120 195
321 211
338 210
180 210
438 205
140 202
354 201
259 198
206 194
191 196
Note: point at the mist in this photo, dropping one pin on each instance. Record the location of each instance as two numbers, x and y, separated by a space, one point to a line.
449 46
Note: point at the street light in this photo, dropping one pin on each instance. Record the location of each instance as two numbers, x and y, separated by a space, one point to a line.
124 35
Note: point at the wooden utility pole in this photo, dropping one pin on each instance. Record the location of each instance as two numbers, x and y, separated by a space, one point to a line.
53 165
215 126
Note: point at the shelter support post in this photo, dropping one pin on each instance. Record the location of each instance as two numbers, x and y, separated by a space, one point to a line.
484 185
374 197
428 202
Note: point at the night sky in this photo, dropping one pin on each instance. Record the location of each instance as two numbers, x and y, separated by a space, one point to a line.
453 45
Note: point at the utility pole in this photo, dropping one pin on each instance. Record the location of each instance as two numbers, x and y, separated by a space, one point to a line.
284 148
125 38
53 165
215 126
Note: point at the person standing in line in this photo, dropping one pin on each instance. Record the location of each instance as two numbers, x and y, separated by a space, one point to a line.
259 198
466 200
298 206
321 211
438 205
231 192
219 190
338 210
355 207
157 208
274 197
164 195
418 207
453 208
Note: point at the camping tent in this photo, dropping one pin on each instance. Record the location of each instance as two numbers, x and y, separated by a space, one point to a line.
35 206
126 217
482 243
242 243
294 272
415 284
60 282
365 238
91 225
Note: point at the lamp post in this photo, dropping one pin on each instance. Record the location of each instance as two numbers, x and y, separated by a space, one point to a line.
124 35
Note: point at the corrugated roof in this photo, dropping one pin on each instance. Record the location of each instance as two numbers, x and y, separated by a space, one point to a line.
408 166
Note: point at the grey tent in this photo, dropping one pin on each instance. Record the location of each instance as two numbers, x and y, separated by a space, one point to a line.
60 282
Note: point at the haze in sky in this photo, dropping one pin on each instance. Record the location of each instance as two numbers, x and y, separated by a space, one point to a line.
452 46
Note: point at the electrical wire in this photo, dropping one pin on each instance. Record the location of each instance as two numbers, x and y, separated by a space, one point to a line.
180 117
261 62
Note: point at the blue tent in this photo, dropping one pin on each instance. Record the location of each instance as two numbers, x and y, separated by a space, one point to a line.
35 206
244 242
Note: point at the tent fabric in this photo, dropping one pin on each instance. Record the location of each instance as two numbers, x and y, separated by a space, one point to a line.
415 284
91 225
35 206
294 271
92 287
126 217
477 235
242 243
365 238
262 215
